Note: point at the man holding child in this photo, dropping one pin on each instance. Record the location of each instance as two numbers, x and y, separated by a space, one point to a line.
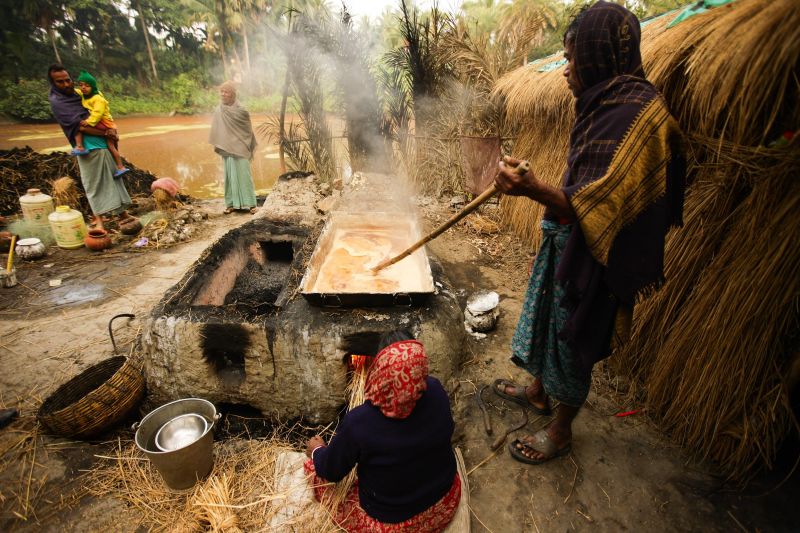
106 195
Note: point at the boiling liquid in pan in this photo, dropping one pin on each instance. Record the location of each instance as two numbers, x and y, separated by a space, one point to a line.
346 268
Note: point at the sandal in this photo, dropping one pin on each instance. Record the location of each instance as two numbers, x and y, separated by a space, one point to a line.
253 210
542 443
228 211
519 397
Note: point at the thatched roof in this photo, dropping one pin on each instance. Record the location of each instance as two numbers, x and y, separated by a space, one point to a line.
711 345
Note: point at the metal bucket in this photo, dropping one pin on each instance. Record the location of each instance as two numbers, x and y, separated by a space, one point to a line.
180 469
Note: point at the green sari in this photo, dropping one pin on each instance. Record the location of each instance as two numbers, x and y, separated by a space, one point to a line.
240 193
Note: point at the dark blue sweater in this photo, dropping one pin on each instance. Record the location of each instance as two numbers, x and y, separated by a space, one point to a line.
404 465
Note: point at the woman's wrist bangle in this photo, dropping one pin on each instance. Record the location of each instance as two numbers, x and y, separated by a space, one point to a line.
315 449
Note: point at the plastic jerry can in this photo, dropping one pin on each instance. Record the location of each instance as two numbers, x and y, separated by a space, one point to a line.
36 207
68 227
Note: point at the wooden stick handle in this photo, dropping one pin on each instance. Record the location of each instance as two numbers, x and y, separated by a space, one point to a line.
521 169
10 264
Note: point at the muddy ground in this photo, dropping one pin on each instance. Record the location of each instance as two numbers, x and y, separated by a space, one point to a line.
621 475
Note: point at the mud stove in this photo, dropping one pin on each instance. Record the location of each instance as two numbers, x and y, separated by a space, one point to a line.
245 326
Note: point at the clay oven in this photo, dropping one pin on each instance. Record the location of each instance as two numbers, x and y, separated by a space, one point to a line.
237 330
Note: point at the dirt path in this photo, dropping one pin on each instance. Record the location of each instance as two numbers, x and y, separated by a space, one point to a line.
620 476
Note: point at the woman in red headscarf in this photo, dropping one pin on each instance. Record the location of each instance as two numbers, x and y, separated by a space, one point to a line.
399 442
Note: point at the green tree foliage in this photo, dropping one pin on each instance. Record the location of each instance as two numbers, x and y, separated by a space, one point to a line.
159 44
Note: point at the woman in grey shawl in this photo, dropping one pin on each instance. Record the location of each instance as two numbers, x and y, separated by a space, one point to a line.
232 137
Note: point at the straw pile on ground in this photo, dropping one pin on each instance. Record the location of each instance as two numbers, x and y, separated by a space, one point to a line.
247 490
23 168
711 349
242 493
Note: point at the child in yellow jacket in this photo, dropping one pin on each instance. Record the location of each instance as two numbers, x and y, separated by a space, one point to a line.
99 117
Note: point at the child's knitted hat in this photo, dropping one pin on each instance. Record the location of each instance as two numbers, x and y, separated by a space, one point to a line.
89 80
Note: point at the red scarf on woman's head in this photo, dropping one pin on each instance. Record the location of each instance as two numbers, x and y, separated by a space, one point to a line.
396 379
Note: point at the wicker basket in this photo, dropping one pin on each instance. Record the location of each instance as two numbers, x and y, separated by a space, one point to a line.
95 399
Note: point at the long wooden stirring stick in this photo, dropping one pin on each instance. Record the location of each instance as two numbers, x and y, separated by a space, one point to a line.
521 169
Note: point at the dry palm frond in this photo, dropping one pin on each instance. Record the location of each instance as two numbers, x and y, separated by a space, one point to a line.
710 348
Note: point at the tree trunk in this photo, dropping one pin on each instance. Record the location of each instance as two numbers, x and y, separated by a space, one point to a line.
147 41
219 10
101 58
237 58
282 121
284 98
225 68
52 33
246 49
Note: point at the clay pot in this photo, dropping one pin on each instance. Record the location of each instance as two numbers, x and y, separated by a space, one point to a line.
30 249
97 240
130 226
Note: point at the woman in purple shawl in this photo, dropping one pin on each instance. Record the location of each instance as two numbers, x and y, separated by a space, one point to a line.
603 230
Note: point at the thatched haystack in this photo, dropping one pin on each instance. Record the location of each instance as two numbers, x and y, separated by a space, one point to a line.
713 346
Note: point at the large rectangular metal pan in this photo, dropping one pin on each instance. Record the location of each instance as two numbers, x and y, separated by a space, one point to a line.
331 283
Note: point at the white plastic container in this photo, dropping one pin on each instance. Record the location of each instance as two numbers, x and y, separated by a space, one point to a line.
68 227
36 207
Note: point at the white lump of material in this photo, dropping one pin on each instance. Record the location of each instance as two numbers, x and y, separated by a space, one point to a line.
481 312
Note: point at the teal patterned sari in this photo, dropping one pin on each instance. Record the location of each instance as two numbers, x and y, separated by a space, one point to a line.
536 345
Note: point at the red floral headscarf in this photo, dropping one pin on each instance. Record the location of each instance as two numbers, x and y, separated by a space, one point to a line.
396 379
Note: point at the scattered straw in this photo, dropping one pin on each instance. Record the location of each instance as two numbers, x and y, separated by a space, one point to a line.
242 492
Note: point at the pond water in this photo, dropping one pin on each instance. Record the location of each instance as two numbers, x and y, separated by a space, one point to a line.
166 146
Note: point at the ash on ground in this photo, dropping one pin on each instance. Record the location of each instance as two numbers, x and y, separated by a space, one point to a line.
258 286
173 227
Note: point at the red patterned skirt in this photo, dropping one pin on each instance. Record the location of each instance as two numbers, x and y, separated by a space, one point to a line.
352 518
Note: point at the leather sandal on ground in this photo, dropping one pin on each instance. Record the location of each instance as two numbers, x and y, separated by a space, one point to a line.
518 397
253 210
542 443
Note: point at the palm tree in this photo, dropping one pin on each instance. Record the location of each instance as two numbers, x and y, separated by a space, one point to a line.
44 14
216 14
483 14
532 18
138 6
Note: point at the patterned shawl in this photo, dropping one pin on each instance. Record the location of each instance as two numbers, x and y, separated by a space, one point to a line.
396 379
624 179
232 131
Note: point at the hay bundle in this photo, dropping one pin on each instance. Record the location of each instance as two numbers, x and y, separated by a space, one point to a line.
164 202
65 192
710 347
